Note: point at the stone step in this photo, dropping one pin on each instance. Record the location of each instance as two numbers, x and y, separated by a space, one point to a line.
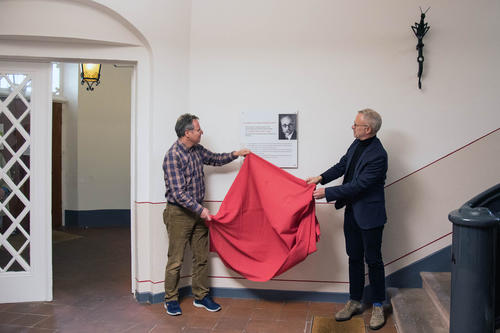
438 287
414 312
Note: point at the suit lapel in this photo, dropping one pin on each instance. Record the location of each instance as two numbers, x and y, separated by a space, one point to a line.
351 153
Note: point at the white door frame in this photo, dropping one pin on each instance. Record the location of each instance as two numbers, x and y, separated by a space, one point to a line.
48 151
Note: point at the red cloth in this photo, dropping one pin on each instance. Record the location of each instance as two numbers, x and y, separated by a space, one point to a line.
266 223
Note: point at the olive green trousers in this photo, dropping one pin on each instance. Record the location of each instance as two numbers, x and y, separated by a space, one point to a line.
185 227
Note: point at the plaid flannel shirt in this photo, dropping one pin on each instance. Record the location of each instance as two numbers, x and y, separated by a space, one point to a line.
184 176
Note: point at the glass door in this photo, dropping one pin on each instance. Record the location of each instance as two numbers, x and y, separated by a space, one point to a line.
25 232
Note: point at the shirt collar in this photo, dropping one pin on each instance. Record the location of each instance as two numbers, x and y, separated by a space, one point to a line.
367 142
182 146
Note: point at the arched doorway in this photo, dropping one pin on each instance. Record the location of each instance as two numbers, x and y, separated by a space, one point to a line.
38 42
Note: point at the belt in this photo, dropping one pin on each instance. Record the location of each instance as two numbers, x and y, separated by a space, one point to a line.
174 204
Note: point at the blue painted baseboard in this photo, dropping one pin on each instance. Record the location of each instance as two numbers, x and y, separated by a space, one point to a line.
407 277
263 294
101 218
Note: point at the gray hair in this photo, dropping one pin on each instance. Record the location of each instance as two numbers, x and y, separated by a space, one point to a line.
184 123
373 119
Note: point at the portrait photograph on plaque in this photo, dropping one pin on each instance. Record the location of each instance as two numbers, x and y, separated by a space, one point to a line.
287 126
271 135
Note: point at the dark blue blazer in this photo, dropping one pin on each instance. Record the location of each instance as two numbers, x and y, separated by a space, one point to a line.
365 192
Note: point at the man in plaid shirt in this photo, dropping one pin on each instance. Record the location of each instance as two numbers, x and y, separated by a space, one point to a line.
184 215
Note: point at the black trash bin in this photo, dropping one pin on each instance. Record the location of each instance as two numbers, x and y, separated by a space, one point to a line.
475 276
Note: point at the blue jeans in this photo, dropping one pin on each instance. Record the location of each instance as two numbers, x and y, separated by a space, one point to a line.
363 245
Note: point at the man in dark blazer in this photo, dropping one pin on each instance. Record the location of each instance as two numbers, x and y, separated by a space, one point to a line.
364 168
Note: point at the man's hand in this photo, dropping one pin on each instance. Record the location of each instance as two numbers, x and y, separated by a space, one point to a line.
205 214
314 180
319 193
242 152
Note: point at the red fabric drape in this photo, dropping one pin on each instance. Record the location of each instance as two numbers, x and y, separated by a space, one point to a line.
266 223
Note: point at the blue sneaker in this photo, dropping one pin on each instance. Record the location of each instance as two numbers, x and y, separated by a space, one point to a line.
173 308
208 303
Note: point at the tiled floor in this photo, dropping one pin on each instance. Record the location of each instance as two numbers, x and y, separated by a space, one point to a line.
92 294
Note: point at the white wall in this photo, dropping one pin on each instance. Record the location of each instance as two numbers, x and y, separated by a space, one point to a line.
96 140
326 59
329 59
69 137
103 146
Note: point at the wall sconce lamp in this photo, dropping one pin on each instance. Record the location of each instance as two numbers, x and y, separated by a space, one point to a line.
91 73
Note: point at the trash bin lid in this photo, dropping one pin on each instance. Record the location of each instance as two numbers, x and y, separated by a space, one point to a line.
489 199
479 217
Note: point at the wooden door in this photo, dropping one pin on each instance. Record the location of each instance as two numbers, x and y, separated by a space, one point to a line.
56 166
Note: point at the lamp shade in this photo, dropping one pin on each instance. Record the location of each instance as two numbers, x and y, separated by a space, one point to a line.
91 73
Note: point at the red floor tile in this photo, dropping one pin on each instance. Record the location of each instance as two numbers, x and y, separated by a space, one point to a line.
93 300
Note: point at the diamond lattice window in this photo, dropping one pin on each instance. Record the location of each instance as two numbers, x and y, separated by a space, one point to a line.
15 117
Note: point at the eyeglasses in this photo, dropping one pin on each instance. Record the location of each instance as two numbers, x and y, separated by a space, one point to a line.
358 125
196 130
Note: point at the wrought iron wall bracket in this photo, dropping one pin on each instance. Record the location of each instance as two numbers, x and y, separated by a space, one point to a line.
420 29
